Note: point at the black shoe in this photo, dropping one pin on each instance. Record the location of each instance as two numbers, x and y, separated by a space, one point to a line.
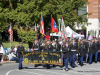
35 65
54 66
61 66
90 63
19 68
73 66
95 61
81 64
66 69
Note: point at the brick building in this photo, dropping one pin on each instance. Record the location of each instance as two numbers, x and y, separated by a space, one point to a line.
94 19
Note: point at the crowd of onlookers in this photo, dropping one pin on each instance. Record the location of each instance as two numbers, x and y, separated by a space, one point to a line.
7 53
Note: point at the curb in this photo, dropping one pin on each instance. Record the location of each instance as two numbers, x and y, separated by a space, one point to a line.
7 62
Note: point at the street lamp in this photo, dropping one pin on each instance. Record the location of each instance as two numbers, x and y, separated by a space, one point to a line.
59 22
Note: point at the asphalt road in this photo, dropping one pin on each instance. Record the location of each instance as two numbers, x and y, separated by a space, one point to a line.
11 69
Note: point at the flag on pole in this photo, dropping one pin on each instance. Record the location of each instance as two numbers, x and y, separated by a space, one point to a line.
42 26
53 25
35 27
10 33
63 30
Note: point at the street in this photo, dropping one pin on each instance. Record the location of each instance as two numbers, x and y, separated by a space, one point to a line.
12 69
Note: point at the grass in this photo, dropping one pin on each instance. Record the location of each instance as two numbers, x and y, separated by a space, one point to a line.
7 44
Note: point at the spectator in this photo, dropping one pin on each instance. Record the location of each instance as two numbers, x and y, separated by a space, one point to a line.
11 56
2 52
15 49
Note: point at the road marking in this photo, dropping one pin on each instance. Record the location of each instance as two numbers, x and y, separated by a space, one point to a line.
9 72
51 72
30 72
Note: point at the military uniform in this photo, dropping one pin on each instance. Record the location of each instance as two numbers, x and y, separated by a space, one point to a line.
96 51
66 52
19 53
91 51
54 47
36 47
48 47
42 47
81 53
73 52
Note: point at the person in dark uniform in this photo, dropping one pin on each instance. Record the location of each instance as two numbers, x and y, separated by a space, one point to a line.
58 46
96 50
73 52
91 51
48 46
54 46
99 49
81 52
36 46
86 48
19 53
66 52
42 46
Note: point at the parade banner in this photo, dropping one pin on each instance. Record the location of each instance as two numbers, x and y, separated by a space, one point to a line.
43 58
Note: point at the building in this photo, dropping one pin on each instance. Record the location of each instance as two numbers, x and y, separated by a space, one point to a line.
93 8
94 19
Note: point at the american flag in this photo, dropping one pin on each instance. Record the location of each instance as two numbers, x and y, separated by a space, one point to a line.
42 26
10 33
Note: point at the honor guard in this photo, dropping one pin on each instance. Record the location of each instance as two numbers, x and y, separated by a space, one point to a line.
48 46
19 53
66 52
42 46
73 53
86 48
58 46
54 46
36 46
81 52
96 50
91 51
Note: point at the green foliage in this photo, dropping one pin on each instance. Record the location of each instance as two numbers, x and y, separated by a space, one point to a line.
27 12
26 35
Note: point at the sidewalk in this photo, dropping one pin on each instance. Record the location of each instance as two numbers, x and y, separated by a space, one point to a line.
7 62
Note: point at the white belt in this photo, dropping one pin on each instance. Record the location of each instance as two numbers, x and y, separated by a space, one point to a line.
73 50
36 49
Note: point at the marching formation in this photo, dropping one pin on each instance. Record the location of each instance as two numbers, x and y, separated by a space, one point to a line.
73 50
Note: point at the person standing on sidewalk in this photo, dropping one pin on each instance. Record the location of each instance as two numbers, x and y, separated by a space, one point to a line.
19 54
2 52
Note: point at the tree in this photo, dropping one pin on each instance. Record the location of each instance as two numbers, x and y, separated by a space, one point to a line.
27 12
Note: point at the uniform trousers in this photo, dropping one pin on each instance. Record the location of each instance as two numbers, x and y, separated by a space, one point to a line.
66 62
20 62
73 60
96 56
90 58
81 60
